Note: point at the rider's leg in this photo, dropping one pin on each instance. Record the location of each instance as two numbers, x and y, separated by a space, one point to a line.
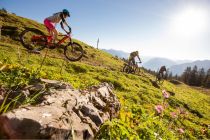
133 61
133 65
129 62
55 34
50 38
161 76
50 26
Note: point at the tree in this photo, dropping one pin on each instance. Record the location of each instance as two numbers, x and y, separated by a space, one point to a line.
193 76
170 76
207 79
201 77
186 75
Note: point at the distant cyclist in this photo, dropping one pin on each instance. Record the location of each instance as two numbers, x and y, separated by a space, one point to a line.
131 60
161 71
51 21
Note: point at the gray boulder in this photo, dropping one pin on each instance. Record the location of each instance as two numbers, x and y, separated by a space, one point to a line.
63 113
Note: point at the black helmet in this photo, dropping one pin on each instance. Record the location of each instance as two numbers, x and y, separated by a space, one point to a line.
66 12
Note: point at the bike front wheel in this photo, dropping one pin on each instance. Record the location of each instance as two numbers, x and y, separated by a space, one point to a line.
159 79
33 39
137 70
73 51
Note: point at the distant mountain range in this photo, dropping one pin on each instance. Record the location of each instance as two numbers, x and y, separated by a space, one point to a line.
179 69
154 63
118 53
176 67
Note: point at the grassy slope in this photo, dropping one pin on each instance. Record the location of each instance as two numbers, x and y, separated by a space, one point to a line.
137 94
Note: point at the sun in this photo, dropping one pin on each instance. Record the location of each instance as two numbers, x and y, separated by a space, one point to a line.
189 22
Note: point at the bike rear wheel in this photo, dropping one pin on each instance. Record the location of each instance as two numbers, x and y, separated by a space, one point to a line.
137 70
73 51
127 69
33 39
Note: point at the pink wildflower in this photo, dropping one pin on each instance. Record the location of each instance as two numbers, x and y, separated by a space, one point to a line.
159 108
173 114
165 94
181 131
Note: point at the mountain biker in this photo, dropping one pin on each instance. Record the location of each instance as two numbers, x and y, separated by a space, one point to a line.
161 71
131 60
51 21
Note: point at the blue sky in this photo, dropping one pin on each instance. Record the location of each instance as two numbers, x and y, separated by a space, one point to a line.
176 29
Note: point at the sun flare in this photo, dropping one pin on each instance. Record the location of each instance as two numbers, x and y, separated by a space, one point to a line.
189 22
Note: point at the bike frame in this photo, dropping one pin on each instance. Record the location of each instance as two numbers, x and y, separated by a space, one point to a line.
135 66
49 38
160 78
132 68
67 36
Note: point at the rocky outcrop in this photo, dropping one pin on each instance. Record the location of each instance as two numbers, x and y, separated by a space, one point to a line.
63 112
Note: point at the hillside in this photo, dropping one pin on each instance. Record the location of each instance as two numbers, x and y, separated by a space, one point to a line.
183 115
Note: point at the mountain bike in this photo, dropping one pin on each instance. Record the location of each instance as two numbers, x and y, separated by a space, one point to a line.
34 39
131 68
160 78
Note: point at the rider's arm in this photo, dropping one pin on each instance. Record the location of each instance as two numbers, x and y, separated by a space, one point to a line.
61 23
139 59
64 21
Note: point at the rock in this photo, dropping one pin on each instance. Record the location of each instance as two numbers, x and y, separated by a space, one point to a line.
2 93
51 83
112 104
26 93
6 129
98 103
36 88
92 113
64 113
56 84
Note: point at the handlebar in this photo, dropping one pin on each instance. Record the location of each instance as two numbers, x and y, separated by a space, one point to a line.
69 32
139 62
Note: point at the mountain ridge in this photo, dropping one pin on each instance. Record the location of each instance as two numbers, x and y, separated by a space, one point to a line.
179 69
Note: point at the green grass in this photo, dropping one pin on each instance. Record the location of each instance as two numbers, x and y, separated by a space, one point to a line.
138 97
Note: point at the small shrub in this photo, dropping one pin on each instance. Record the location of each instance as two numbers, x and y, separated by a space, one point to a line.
116 129
79 68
